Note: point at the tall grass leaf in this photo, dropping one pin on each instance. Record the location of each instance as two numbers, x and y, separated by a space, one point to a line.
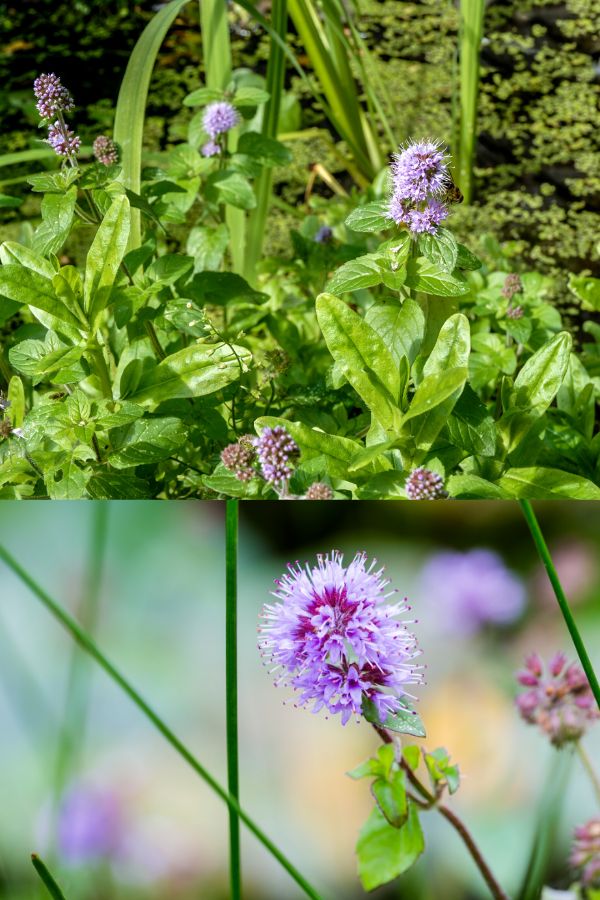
471 32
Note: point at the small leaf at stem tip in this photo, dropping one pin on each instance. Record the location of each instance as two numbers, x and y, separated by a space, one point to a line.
405 721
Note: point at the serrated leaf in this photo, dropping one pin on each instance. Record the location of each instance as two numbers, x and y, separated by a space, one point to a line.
538 483
148 441
207 245
423 275
466 259
202 96
404 721
370 218
231 188
401 327
25 286
390 796
266 151
104 258
362 272
439 248
249 96
384 852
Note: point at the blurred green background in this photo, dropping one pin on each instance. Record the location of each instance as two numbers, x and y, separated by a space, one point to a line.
162 623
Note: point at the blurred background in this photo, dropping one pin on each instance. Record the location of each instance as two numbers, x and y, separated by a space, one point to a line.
120 815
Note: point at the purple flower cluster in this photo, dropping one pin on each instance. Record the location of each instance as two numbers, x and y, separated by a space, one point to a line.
512 285
240 458
470 590
277 454
105 150
52 96
515 312
211 148
334 637
218 118
55 100
422 484
559 701
419 178
585 854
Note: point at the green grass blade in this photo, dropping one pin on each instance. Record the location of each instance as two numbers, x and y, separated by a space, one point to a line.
85 641
131 104
470 35
274 85
51 885
231 691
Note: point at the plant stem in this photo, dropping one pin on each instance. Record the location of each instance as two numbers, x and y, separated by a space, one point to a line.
587 765
78 633
546 558
457 824
102 372
48 880
150 331
231 546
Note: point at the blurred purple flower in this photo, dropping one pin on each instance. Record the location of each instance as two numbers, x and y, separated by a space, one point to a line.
512 285
239 458
585 854
318 490
52 96
277 453
219 117
472 589
333 636
559 701
324 235
90 825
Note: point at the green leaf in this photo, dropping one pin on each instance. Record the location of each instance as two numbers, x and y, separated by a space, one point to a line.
538 483
362 357
472 487
208 245
440 248
148 441
390 796
362 272
67 480
405 721
384 852
440 770
117 486
57 219
231 188
169 268
104 258
335 451
445 370
587 290
370 217
8 202
401 327
25 286
249 96
202 96
12 252
16 397
195 371
426 276
266 151
381 765
466 259
225 483
471 427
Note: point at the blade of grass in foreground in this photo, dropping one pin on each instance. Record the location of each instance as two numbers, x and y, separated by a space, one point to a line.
131 104
231 691
471 31
46 877
74 629
546 558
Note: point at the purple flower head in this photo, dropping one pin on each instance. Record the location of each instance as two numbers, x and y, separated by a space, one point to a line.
422 484
90 825
277 453
514 312
558 698
420 171
319 491
428 218
333 636
62 140
471 590
211 148
239 458
52 97
105 150
219 118
585 853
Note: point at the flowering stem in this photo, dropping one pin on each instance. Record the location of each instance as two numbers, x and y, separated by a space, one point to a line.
544 553
457 824
48 880
84 640
587 765
231 546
